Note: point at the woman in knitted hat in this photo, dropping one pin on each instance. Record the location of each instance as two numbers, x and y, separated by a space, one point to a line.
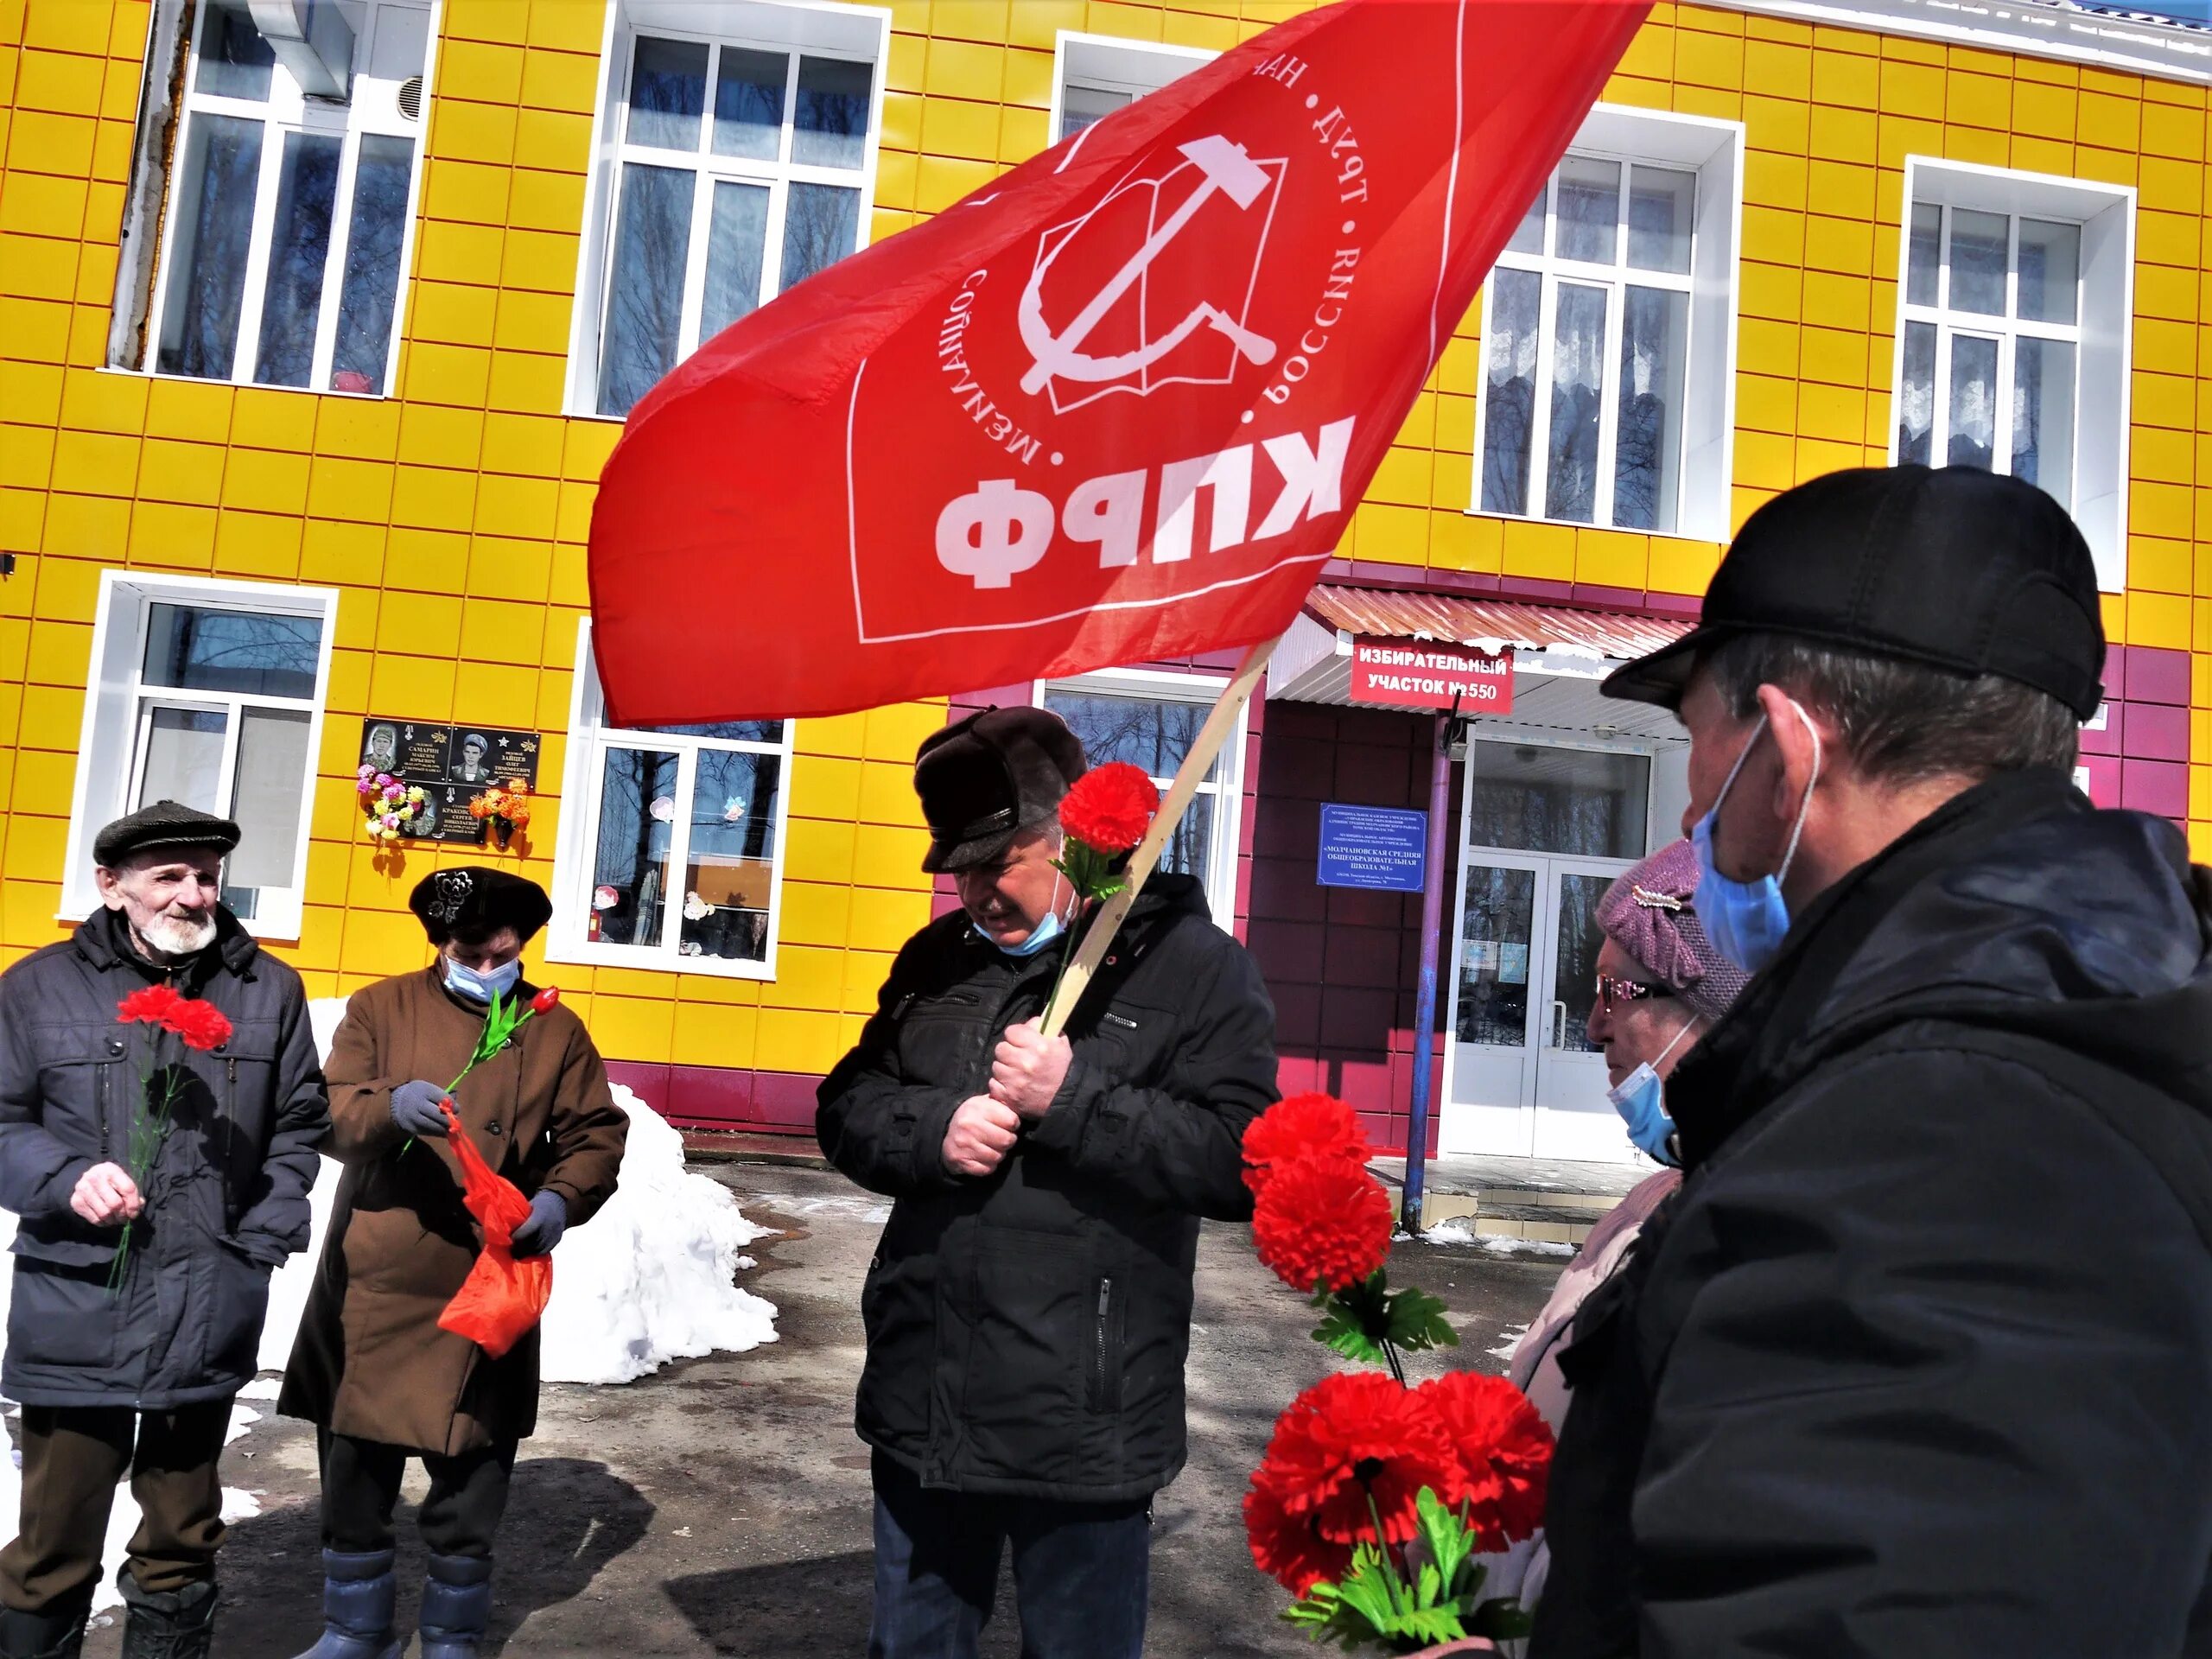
1661 985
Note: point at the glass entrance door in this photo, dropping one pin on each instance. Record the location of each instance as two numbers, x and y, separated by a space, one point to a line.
1548 830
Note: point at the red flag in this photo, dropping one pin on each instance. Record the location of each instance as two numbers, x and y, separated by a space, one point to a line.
1116 406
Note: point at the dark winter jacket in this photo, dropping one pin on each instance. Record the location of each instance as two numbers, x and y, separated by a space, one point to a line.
227 1198
1026 1332
1918 1360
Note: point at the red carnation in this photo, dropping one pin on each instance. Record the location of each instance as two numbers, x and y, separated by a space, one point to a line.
1109 807
1286 1547
546 1000
151 1003
1504 1448
1355 1446
201 1025
1322 1220
1302 1126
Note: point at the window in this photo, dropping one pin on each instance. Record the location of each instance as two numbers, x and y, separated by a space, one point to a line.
671 842
289 204
739 167
209 693
1150 720
1607 327
2012 329
1098 75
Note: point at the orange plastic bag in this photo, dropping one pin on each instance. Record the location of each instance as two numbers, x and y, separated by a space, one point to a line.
502 1298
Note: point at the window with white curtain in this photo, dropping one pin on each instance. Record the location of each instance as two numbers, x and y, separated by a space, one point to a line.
1099 74
1585 348
2011 340
1604 395
1992 314
670 850
740 166
288 203
209 693
1150 720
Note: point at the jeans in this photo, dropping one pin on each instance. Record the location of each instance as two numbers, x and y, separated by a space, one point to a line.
1081 1572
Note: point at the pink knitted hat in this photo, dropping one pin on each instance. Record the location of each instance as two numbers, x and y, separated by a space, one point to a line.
1647 912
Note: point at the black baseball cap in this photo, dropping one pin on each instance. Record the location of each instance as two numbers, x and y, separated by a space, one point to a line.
986 778
1953 567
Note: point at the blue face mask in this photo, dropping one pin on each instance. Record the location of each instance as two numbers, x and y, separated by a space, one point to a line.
479 988
1040 935
1641 1101
1747 921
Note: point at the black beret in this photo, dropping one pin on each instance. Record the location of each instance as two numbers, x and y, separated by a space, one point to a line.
165 824
476 899
984 779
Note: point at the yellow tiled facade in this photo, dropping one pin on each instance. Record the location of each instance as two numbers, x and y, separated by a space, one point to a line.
452 515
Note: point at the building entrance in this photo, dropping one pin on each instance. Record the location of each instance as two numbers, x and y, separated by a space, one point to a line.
1544 831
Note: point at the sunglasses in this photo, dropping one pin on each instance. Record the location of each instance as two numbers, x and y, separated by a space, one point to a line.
1612 991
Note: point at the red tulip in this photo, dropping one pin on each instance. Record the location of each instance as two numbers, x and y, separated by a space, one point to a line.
545 1000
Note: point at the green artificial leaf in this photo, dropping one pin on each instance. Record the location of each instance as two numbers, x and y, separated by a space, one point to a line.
1342 1332
1450 1542
1373 1606
1413 1319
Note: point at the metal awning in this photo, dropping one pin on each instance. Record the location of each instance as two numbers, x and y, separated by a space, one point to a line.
1559 654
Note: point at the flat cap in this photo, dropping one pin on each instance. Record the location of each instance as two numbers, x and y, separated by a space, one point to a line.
475 900
986 778
164 823
1952 568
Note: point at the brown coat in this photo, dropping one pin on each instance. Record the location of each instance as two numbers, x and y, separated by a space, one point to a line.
371 1360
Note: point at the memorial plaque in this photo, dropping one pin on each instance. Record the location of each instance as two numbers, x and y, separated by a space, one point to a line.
453 764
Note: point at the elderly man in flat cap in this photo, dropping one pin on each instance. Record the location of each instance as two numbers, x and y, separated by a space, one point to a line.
371 1368
1029 1308
125 1359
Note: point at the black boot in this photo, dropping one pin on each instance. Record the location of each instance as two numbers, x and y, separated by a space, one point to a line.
172 1624
53 1632
456 1606
358 1595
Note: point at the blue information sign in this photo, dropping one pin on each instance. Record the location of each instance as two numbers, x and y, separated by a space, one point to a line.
1379 847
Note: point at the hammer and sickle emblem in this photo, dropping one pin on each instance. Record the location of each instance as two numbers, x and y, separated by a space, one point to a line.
1225 168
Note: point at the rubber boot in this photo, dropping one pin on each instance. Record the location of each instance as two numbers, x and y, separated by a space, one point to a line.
359 1593
172 1624
456 1606
54 1632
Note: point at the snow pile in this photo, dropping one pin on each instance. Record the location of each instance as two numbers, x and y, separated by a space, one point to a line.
1461 1229
648 1279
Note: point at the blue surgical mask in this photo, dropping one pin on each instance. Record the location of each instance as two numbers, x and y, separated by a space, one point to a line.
1641 1101
1040 935
1747 921
463 981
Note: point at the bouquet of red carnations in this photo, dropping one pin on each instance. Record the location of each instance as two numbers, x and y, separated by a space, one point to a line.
1376 1497
201 1027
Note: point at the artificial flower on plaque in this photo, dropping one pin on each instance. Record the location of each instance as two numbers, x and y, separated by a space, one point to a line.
499 811
389 804
1376 1497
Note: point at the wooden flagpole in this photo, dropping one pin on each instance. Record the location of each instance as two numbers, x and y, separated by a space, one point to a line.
1224 717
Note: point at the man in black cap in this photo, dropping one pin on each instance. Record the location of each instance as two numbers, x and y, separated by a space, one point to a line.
1028 1310
125 1359
1917 1362
371 1368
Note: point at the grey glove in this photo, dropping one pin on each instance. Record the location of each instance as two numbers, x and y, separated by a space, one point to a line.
415 1108
549 1219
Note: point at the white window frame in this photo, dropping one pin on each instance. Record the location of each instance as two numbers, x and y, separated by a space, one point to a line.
1104 63
1713 149
110 755
1226 794
2103 334
812 27
372 110
567 937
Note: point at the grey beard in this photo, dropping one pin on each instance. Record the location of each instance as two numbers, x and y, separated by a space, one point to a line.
173 937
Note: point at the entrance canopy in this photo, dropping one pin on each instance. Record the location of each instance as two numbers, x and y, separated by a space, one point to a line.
1559 655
